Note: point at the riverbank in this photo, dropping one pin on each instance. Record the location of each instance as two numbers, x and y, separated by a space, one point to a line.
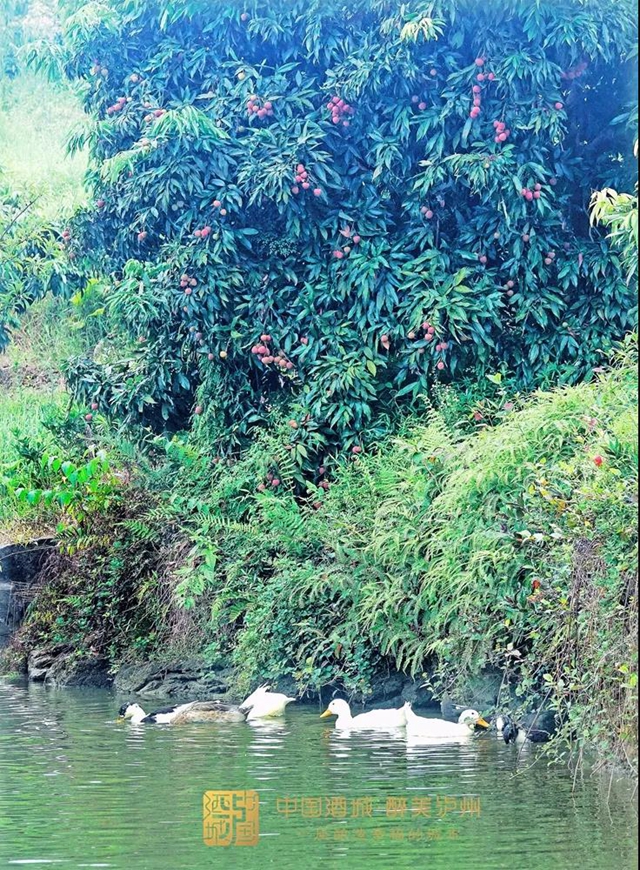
443 555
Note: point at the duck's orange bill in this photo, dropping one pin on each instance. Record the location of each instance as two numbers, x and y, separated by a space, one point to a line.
483 723
325 714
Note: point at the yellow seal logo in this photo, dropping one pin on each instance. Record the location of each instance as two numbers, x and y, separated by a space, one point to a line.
231 818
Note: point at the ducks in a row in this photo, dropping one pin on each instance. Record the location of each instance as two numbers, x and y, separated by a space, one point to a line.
261 704
404 717
458 722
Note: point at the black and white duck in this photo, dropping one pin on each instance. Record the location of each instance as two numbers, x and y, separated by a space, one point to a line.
179 714
537 727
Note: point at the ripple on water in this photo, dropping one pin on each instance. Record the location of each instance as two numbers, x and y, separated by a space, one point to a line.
79 789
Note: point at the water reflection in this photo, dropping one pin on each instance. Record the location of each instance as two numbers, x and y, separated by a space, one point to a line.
78 788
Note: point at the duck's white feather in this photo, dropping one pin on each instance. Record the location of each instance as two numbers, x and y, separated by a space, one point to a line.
263 704
372 720
420 726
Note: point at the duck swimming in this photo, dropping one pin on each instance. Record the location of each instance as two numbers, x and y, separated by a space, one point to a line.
264 704
538 727
194 711
420 726
374 719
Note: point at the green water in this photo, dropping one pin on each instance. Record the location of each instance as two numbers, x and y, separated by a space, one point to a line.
78 789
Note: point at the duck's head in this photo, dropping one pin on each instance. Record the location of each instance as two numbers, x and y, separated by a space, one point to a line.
337 707
128 711
500 722
510 731
472 718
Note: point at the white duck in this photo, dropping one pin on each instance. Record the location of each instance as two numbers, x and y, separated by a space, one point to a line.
420 726
263 704
373 720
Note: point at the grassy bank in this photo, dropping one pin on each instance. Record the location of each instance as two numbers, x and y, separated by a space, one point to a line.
437 552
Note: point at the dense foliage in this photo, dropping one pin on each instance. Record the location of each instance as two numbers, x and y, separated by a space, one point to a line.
344 244
513 548
391 195
31 264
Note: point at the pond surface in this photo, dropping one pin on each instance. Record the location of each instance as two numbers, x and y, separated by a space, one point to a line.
78 789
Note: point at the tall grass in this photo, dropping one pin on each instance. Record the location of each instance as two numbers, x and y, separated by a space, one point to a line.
22 413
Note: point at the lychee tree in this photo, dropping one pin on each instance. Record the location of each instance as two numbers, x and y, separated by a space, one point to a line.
328 207
32 263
